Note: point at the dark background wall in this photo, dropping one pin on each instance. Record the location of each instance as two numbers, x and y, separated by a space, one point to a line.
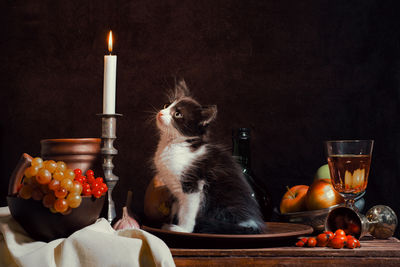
296 72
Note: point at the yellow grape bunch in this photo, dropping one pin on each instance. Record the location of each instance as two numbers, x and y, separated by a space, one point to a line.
58 187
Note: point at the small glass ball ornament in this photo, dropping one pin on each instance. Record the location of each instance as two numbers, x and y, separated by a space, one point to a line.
383 221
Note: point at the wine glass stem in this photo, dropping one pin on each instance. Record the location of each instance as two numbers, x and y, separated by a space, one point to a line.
350 203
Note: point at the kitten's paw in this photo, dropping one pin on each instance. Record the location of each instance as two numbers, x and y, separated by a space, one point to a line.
174 227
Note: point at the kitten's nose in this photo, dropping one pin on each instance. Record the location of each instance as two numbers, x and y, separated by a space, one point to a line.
159 114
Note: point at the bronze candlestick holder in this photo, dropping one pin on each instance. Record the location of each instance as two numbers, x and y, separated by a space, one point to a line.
108 136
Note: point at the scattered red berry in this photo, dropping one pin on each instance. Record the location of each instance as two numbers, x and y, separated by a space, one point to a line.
328 239
87 191
351 243
90 179
91 186
302 242
311 242
337 242
104 188
340 232
78 172
358 243
97 192
330 234
85 185
79 179
322 240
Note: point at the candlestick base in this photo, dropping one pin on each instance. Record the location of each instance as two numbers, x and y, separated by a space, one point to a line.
108 136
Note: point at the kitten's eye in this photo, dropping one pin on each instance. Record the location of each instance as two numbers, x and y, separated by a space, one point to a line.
178 114
165 106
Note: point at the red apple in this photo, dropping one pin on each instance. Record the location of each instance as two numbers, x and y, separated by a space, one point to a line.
321 195
294 199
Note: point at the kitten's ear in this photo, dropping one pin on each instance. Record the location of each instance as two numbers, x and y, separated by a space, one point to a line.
181 89
209 114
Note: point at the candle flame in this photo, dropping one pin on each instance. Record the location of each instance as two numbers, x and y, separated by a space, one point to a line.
110 42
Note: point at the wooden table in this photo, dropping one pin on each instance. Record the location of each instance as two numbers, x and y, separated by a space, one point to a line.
372 253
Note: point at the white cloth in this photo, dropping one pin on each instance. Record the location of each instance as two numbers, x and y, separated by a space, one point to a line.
95 245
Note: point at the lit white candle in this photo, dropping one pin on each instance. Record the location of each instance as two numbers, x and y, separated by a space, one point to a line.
110 71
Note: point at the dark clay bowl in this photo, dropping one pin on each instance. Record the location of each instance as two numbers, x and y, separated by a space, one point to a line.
43 225
82 153
39 222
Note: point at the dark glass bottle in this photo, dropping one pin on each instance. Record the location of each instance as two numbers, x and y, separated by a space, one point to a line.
241 152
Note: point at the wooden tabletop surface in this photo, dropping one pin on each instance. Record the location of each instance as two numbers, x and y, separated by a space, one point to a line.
373 252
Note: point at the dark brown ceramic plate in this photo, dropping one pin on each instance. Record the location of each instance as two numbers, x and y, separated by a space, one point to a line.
278 234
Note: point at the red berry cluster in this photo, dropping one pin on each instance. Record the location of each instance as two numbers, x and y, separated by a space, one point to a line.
90 186
339 239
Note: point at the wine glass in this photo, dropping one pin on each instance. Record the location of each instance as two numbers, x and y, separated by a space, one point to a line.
349 163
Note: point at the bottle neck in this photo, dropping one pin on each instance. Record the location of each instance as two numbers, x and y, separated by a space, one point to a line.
241 150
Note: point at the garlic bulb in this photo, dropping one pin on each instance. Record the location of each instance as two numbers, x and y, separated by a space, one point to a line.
126 222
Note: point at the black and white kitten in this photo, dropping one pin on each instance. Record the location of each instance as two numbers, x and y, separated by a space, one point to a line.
211 194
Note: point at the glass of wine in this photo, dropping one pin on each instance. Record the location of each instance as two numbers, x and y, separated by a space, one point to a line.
349 163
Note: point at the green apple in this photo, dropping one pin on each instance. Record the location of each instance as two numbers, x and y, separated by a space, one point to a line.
323 173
